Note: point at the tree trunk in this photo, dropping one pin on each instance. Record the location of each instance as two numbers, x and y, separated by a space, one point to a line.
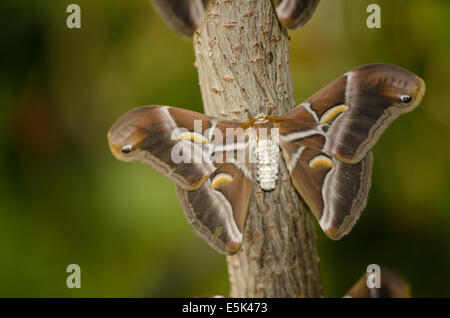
242 54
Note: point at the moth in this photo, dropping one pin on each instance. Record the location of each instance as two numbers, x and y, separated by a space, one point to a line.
392 285
184 16
295 13
325 142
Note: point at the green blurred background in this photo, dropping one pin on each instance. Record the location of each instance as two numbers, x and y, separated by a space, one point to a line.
64 199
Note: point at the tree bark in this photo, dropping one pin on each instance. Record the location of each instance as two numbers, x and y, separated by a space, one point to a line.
242 55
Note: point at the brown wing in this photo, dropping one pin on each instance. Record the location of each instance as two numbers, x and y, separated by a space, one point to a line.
173 141
392 285
351 113
183 16
336 192
326 140
295 13
218 209
214 195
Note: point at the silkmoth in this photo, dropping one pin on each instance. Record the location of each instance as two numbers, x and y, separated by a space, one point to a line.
325 141
295 13
184 16
391 285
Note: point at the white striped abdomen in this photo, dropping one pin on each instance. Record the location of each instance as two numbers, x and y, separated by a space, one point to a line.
267 155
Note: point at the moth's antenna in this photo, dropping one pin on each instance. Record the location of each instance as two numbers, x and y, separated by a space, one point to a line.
269 109
249 115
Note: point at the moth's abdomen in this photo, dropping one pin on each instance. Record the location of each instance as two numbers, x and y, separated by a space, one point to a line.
267 156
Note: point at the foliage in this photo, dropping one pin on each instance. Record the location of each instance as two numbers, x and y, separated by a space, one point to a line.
66 200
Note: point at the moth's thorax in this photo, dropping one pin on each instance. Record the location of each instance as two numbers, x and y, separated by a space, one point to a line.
260 119
267 159
262 126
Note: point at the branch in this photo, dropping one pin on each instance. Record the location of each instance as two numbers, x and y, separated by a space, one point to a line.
242 53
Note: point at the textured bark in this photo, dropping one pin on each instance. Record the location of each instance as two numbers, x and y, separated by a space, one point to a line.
242 54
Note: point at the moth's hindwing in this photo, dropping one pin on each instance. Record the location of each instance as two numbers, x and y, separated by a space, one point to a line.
335 191
183 16
295 13
326 140
218 209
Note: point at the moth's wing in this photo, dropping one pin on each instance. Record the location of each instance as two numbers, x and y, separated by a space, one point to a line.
173 141
183 16
214 195
218 209
295 13
335 191
326 140
392 285
348 116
